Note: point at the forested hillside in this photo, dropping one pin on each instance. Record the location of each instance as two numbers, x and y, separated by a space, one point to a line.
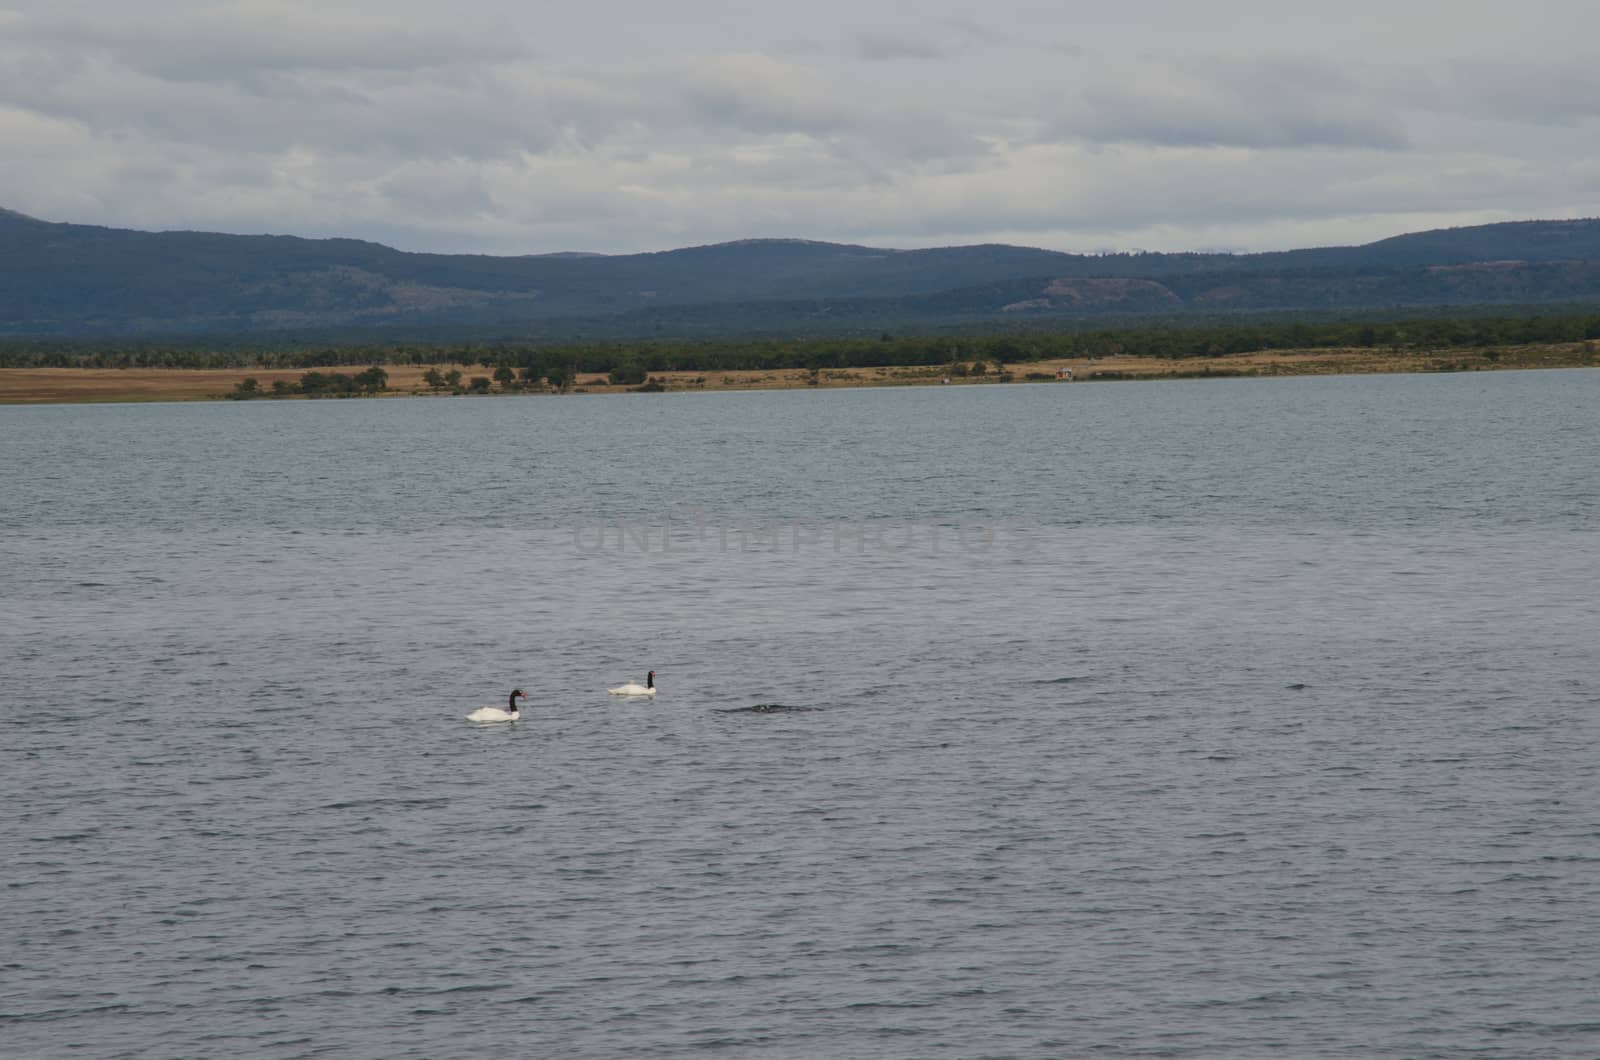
79 280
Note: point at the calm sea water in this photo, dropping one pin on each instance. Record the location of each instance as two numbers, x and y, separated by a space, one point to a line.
1194 719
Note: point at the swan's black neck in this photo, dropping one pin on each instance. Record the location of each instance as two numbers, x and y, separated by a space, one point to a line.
650 679
511 704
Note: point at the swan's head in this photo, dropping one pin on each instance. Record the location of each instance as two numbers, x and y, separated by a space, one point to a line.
518 694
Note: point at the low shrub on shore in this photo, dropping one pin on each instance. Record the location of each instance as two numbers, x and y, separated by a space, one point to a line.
632 362
318 384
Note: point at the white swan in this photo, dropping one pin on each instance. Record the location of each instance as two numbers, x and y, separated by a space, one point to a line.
496 714
634 688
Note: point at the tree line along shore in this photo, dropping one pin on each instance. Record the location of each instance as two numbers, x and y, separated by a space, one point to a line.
86 370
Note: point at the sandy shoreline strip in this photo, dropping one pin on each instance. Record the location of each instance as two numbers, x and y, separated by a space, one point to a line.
73 385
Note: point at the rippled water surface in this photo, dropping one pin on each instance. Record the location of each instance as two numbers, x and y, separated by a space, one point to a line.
1208 719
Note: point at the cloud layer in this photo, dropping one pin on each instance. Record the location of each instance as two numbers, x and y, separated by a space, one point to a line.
475 128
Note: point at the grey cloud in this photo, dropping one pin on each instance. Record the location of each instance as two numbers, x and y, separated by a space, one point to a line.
796 47
614 199
1547 90
1264 75
448 116
257 80
483 111
240 40
258 119
1275 103
1141 193
1198 122
880 46
437 189
950 37
971 31
755 95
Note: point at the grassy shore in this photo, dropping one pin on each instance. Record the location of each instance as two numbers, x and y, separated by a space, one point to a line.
60 385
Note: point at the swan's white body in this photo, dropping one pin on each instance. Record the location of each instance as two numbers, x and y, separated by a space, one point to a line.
632 688
494 714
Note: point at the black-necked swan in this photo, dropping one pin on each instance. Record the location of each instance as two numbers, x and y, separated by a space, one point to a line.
496 714
634 688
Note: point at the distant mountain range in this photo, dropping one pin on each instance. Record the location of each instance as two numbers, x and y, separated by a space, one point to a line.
83 280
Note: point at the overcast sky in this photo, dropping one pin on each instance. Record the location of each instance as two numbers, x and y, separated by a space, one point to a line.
622 125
